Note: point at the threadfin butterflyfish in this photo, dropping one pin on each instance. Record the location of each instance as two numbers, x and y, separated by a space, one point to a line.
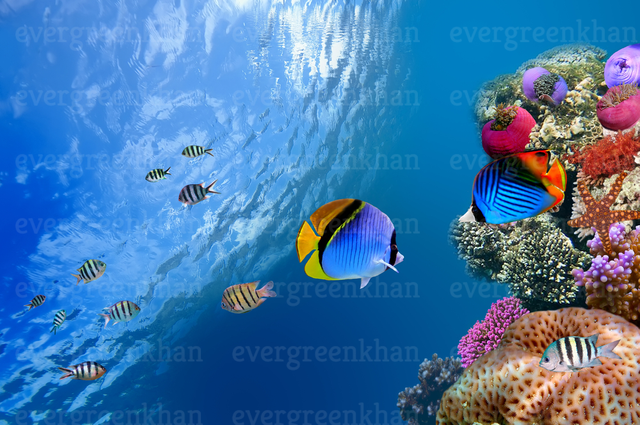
191 194
516 187
352 240
244 297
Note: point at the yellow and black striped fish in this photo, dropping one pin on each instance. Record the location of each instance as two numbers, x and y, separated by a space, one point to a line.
157 175
573 353
191 194
90 271
37 301
194 151
58 320
122 311
87 371
244 297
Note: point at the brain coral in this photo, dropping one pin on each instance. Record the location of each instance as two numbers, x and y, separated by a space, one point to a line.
507 385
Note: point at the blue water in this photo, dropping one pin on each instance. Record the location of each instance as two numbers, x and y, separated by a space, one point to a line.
369 101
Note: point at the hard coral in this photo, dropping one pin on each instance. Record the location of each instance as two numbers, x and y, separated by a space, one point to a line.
613 282
608 156
418 405
486 335
507 385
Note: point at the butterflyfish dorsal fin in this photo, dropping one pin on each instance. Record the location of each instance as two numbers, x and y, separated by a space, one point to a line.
326 213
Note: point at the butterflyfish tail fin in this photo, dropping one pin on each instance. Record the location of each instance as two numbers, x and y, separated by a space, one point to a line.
364 282
208 151
607 351
306 241
77 276
388 265
68 372
106 319
265 291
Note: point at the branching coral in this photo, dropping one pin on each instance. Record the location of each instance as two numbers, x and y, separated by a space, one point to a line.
507 385
418 405
486 335
608 156
613 282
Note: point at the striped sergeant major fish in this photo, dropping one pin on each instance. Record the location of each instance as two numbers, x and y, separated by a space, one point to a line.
37 301
90 271
573 353
87 371
195 151
122 311
244 297
354 240
157 175
516 187
191 194
58 320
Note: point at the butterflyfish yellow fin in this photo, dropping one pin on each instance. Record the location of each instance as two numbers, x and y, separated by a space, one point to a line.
323 215
314 269
306 241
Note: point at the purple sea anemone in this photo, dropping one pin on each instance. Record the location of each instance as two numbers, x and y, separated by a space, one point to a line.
486 335
619 108
623 67
508 133
538 84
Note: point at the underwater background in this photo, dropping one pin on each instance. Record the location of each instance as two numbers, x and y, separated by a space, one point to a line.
302 103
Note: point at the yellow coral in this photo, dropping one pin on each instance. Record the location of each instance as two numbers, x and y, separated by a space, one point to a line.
507 385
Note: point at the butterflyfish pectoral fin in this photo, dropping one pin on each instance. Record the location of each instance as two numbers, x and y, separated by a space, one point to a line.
306 241
313 268
364 282
388 265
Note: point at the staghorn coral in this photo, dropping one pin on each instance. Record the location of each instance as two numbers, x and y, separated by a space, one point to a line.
572 122
486 335
613 281
508 387
537 267
610 155
418 405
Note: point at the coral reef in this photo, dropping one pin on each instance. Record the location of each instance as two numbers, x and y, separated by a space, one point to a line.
418 405
623 67
574 121
610 155
533 257
486 335
613 281
619 108
508 387
508 133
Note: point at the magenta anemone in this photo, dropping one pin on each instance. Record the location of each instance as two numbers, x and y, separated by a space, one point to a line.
508 133
619 108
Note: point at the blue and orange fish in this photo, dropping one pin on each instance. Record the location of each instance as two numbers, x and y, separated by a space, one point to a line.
354 240
516 187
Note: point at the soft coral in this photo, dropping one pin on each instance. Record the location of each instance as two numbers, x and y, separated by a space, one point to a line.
608 156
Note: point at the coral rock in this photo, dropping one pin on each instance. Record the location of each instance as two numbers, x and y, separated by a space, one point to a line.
508 387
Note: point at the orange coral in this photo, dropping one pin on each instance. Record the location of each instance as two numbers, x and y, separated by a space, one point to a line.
608 156
507 385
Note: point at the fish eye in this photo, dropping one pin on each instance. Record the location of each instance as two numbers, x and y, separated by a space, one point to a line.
546 360
223 305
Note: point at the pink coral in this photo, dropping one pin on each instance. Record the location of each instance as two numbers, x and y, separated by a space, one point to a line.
485 336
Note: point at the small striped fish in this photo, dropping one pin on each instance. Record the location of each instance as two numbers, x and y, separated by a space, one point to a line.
244 297
87 371
573 353
191 194
122 311
157 175
58 320
37 301
90 271
194 151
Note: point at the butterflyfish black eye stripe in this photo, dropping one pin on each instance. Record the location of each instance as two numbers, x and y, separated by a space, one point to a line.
344 215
